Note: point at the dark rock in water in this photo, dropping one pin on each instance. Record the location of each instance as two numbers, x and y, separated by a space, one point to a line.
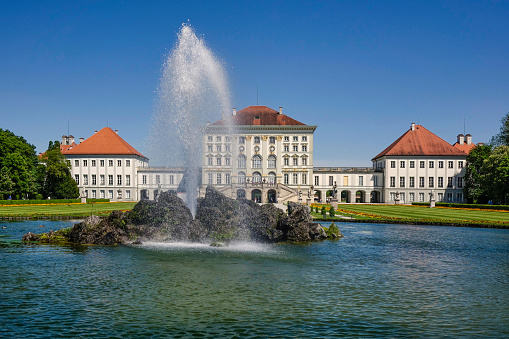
219 220
137 242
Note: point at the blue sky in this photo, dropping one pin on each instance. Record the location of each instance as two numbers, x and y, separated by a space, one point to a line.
361 71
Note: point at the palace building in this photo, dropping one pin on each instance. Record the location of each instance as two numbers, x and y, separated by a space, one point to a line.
264 155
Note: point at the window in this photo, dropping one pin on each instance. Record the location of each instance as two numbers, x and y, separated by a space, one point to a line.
94 179
272 177
440 182
128 180
331 180
242 140
460 164
450 164
110 194
172 179
304 138
459 197
401 164
110 179
158 179
449 181
110 163
128 194
210 178
271 162
295 161
421 197
375 180
431 182
101 163
272 140
295 178
257 177
401 181
101 194
209 161
304 161
102 179
119 163
209 148
241 161
209 138
345 180
85 179
361 180
218 138
393 182
304 179
449 197
257 161
227 161
256 140
93 163
242 177
119 179
440 197
460 183
440 164
128 164
431 164
286 148
218 161
227 148
317 181
421 181
218 148
287 138
295 148
412 164
227 139
286 178
76 163
218 178
393 164
295 138
421 164
85 163
227 179
286 161
411 182
304 148
94 194
411 197
77 178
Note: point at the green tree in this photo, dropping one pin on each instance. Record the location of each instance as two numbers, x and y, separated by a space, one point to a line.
6 183
475 190
18 162
58 182
332 213
502 138
495 178
324 212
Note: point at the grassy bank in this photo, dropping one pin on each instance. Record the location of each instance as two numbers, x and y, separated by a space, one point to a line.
419 215
62 211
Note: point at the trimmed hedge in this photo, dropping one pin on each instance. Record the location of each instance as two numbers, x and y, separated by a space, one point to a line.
50 201
479 206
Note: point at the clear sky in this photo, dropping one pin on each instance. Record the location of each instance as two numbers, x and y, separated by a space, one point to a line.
362 71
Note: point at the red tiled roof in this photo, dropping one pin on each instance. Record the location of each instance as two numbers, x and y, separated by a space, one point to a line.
106 142
465 148
260 115
420 141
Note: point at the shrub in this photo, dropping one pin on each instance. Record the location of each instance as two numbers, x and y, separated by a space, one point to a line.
332 213
324 212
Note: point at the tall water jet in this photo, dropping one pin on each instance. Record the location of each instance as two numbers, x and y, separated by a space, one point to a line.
193 91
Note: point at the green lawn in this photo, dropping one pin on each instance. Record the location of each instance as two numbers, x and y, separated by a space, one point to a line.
38 211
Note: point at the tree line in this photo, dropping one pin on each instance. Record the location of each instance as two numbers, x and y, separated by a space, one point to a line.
487 172
24 175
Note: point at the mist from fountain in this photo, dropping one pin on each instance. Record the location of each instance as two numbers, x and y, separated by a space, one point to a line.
193 91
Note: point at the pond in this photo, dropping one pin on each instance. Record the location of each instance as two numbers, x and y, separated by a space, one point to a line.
378 281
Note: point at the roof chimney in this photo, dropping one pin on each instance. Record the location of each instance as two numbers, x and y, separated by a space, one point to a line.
95 132
412 126
64 139
280 110
116 131
71 140
461 139
469 139
81 140
234 111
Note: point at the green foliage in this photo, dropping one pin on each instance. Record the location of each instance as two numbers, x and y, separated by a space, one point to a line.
496 175
475 190
332 213
502 138
51 201
332 231
58 182
479 206
324 212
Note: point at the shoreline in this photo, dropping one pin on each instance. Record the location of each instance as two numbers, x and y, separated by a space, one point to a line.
413 222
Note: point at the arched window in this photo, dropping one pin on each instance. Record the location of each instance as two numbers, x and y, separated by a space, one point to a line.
257 161
242 177
257 177
272 178
241 161
272 161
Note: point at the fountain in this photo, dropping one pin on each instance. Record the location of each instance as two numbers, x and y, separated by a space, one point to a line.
193 91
